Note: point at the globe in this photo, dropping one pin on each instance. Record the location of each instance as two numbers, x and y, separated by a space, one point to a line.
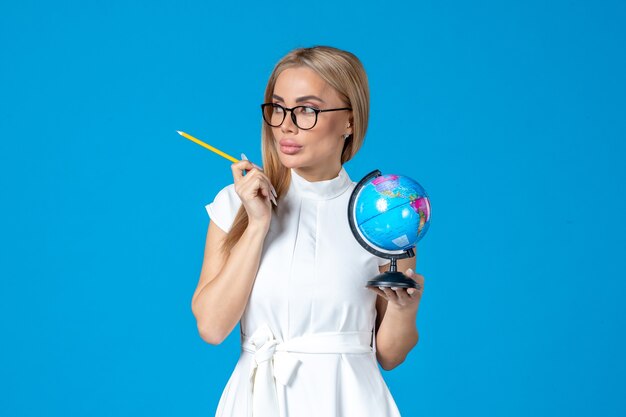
392 212
388 215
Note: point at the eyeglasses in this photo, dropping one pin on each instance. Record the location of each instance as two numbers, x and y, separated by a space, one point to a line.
305 117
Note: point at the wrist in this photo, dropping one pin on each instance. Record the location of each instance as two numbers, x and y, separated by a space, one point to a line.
402 312
257 228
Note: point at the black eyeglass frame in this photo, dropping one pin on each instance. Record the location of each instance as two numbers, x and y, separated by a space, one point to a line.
293 115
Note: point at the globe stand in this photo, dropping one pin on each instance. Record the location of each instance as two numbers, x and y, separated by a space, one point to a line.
394 278
391 278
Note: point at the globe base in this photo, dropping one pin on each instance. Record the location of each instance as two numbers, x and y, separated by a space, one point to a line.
392 279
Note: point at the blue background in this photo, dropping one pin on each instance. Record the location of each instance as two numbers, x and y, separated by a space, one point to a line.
510 114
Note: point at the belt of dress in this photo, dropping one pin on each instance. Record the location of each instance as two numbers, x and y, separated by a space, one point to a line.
274 363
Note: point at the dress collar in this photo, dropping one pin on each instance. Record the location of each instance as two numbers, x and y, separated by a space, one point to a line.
321 190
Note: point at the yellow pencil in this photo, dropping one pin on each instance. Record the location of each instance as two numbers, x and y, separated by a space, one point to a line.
206 145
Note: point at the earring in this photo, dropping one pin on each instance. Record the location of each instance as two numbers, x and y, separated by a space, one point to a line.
345 136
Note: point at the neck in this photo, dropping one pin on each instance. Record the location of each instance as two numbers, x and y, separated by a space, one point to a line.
320 174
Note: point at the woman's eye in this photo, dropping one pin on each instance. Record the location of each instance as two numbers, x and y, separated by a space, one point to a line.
306 110
278 109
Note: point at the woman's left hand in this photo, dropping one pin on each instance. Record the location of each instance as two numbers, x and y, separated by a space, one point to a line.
403 298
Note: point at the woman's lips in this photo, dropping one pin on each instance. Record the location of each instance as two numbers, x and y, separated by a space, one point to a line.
289 147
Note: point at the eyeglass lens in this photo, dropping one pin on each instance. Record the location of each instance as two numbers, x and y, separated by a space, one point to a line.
305 117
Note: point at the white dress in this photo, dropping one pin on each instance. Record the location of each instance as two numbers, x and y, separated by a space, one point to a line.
307 331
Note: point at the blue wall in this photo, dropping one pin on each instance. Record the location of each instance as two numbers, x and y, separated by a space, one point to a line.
511 114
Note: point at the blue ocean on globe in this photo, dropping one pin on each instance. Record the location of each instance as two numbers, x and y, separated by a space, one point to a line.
392 212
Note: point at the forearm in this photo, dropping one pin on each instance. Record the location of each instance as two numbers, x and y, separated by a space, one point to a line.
396 336
221 302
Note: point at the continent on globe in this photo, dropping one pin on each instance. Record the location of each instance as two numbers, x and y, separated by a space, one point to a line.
421 206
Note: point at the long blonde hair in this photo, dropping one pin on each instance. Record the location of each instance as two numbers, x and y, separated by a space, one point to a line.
344 72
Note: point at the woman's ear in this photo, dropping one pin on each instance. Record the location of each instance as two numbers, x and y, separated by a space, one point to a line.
349 130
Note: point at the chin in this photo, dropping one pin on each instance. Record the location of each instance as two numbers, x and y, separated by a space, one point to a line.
289 161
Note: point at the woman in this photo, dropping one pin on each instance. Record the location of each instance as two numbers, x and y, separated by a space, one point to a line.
280 258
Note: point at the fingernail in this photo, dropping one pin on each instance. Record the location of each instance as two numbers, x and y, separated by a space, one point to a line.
394 288
245 158
409 271
381 288
411 291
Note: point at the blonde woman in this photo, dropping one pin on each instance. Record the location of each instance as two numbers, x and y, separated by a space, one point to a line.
281 260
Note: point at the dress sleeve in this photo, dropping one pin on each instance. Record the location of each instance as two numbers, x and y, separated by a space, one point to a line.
224 207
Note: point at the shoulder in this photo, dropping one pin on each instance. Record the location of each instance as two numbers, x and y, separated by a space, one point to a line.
224 207
228 193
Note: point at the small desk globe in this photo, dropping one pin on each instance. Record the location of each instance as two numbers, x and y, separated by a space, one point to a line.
388 215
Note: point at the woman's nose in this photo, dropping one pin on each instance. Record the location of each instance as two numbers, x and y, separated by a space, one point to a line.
288 124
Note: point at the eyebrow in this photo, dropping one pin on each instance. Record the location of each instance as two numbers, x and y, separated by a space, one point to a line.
299 99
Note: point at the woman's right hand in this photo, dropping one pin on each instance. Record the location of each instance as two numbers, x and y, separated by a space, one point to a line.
255 192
